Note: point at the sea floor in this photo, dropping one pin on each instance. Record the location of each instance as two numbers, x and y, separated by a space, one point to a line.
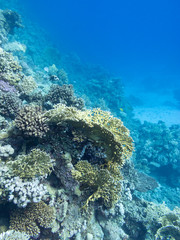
155 114
154 106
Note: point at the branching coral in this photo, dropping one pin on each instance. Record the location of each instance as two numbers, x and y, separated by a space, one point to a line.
14 235
99 126
31 121
9 104
64 95
100 180
20 192
10 70
31 218
36 163
27 85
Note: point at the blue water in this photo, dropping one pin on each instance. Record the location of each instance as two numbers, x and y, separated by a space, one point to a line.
136 40
120 56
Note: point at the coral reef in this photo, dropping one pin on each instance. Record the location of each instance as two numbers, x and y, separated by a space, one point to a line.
31 121
27 85
64 95
14 47
18 191
170 226
99 126
10 70
14 235
9 104
3 123
6 87
157 151
101 183
6 151
31 218
9 20
69 157
13 20
35 164
108 132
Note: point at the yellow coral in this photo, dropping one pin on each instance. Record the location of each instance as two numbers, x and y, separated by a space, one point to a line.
99 126
30 218
36 163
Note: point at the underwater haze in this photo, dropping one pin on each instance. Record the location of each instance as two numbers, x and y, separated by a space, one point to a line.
137 40
89 120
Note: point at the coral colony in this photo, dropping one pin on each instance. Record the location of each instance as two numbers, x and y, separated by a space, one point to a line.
67 163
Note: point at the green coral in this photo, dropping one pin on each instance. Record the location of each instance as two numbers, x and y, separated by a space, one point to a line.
31 218
101 128
36 163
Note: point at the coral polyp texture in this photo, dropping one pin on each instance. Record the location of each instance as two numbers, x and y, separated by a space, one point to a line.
100 183
36 163
9 104
32 218
14 235
65 95
10 70
102 180
31 121
66 164
17 190
99 126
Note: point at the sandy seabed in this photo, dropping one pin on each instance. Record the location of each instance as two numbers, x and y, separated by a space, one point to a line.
155 114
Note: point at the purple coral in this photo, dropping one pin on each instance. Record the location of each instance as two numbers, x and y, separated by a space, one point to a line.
6 87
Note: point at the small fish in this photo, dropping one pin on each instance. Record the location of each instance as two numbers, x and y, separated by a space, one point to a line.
121 109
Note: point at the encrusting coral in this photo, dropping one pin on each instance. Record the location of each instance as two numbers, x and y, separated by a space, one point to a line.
31 218
36 163
31 121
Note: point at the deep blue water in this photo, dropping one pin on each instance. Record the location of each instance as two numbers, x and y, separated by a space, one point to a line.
137 40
